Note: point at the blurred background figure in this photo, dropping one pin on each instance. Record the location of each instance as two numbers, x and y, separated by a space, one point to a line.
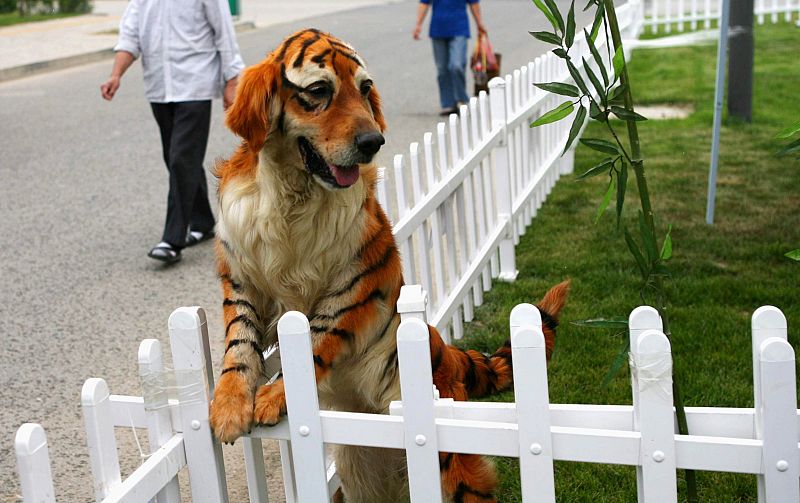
189 57
449 31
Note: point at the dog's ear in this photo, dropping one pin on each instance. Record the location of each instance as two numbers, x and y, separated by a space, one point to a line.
249 114
377 112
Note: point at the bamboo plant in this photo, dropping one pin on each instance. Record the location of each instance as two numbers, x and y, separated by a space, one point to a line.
603 97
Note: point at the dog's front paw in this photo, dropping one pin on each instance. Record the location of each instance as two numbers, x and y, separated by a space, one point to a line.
270 403
231 411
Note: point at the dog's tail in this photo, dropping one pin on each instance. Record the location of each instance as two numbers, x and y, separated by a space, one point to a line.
481 374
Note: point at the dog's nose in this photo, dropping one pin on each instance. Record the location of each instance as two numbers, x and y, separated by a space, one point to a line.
369 143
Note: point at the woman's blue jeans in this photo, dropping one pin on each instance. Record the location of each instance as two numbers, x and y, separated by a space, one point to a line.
450 55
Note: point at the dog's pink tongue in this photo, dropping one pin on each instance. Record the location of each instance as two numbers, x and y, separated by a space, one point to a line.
345 175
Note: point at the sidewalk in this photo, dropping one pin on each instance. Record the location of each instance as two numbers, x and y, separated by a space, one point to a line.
31 48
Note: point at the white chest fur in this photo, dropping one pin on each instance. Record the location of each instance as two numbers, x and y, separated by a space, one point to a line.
289 245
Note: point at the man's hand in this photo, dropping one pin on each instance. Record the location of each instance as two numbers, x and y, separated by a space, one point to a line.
415 34
482 29
229 92
109 88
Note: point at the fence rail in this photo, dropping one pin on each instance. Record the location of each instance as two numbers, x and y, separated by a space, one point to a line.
762 440
683 15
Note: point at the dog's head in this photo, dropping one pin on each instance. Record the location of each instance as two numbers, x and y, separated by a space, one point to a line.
313 100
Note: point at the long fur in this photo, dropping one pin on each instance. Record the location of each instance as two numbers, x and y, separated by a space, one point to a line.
298 231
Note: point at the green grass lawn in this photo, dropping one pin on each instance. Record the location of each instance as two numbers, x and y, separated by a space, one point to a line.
721 273
10 18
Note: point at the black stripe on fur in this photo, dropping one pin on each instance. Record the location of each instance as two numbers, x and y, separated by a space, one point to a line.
375 294
244 320
237 368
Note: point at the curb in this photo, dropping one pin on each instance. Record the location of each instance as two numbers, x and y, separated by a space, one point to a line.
39 67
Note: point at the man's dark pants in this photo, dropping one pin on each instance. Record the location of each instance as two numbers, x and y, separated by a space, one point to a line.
184 134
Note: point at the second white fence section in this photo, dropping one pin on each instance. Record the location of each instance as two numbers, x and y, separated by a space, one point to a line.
682 15
461 199
761 440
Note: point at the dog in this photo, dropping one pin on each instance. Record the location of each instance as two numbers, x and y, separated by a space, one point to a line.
300 229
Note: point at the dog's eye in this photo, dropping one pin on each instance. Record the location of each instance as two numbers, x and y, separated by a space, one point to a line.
366 86
319 90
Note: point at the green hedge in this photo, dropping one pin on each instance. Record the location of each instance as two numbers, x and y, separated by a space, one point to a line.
28 7
8 6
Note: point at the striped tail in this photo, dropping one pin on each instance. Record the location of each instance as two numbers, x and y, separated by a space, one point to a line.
482 375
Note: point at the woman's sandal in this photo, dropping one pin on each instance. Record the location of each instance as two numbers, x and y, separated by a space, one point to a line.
164 252
197 237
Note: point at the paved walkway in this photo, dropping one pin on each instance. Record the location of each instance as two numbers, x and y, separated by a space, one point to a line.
31 48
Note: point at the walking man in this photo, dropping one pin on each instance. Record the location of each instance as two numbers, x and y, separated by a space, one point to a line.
189 56
449 32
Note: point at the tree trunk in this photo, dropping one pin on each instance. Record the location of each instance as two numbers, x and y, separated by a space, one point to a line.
740 61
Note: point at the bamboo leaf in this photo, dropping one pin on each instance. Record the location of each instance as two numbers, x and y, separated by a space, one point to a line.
606 200
666 248
556 14
794 254
561 53
547 13
604 146
619 322
790 148
618 363
661 269
618 61
598 21
591 2
560 88
617 93
622 185
603 167
636 252
601 91
577 124
648 238
555 114
569 36
546 36
791 130
597 58
576 76
627 115
595 112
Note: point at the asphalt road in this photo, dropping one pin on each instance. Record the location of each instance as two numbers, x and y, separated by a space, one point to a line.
83 198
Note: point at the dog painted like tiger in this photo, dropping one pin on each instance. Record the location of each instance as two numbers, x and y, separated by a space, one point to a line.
300 229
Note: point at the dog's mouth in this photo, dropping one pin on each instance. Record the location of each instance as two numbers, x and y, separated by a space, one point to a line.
337 176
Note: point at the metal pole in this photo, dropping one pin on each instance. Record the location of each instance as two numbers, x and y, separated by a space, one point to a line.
718 98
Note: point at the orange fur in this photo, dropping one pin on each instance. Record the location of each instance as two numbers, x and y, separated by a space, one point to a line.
291 237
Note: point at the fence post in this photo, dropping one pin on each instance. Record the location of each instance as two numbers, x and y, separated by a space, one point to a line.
533 405
255 470
191 358
778 421
419 420
156 405
412 302
33 464
651 362
767 322
302 404
505 203
641 319
100 436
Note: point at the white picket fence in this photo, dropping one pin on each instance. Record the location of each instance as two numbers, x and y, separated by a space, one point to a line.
461 200
762 440
682 15
458 206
